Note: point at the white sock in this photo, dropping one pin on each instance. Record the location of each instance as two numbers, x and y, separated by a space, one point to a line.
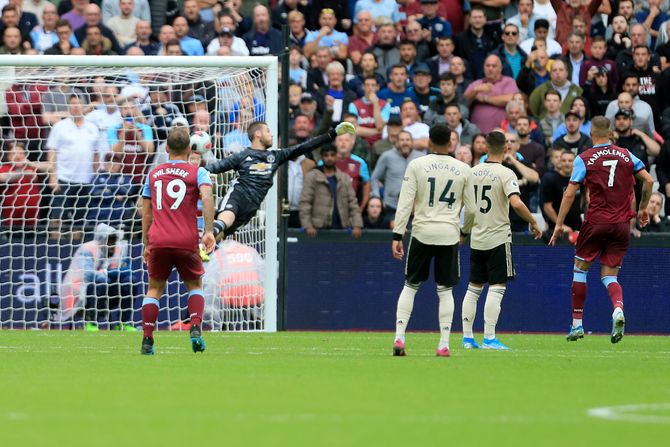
576 322
617 310
445 314
492 310
470 309
405 305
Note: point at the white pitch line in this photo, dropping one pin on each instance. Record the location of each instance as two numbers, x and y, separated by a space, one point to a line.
627 413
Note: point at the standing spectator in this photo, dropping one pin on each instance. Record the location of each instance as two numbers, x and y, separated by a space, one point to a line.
651 18
421 88
262 39
411 121
363 39
124 25
580 107
459 70
134 140
226 36
534 72
598 59
281 12
24 107
96 44
396 90
317 78
392 130
112 8
553 117
143 39
380 10
554 183
541 29
574 141
106 115
474 44
335 94
189 45
663 174
386 50
11 41
368 67
37 8
643 116
479 148
73 148
354 166
528 179
66 39
637 142
525 20
532 151
44 36
624 57
559 81
390 171
454 119
512 57
111 200
433 25
438 105
598 90
566 11
372 112
20 188
488 96
298 33
197 27
340 8
441 62
328 200
414 33
375 217
407 55
649 79
92 17
576 56
76 15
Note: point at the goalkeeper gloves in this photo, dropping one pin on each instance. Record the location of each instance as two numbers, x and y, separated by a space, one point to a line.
345 127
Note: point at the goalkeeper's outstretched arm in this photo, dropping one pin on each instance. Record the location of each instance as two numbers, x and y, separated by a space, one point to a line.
315 142
223 165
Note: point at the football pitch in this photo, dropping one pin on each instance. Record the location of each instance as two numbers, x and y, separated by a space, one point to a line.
330 389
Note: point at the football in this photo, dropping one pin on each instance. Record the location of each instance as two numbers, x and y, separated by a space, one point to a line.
201 142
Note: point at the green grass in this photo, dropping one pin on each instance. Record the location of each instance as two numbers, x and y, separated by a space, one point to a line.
326 389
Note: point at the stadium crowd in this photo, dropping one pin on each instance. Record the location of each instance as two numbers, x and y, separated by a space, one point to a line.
537 70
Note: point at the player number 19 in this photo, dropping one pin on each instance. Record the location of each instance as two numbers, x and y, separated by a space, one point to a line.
175 189
612 165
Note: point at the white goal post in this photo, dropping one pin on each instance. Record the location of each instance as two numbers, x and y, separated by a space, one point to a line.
41 239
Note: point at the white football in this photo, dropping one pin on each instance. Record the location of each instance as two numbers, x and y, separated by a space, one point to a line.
201 142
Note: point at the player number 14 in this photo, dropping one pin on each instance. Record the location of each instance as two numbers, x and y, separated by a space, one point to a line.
612 165
175 189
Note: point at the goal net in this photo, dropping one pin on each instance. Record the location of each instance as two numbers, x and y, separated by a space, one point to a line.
79 135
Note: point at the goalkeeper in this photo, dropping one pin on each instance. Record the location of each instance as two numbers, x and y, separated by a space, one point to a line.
255 167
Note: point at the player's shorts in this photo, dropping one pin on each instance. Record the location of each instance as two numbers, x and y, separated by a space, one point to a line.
447 263
609 241
238 204
187 262
494 266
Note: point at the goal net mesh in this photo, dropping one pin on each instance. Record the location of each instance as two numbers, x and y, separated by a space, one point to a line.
77 143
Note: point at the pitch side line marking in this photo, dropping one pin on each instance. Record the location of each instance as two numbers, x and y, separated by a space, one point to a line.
628 413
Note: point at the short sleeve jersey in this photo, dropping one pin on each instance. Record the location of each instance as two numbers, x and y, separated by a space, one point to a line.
174 190
608 172
493 185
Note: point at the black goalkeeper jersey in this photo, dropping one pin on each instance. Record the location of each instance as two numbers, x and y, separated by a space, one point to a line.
255 168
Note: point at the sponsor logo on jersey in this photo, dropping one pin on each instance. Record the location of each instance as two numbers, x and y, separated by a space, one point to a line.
260 168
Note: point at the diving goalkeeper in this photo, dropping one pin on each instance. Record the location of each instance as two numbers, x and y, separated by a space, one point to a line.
255 167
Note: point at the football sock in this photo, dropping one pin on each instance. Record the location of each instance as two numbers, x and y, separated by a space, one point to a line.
614 291
492 310
578 293
150 307
470 309
196 306
576 322
405 305
445 314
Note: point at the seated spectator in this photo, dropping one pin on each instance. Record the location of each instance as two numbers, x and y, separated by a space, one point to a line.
559 80
437 106
574 140
458 68
110 199
390 169
650 81
294 97
297 33
579 28
161 111
96 44
619 41
280 13
379 10
92 17
553 119
341 9
372 113
598 90
441 62
531 150
262 39
20 188
643 116
317 77
36 7
392 130
44 36
200 29
112 8
327 36
66 40
11 41
657 224
124 25
411 121
638 38
144 40
454 119
554 183
354 166
364 38
422 42
637 142
534 72
407 55
226 37
335 94
474 44
99 279
76 15
464 154
189 45
238 139
488 96
512 57
134 140
308 107
161 156
541 30
166 35
434 25
396 90
580 107
386 50
598 59
374 217
368 67
479 148
421 88
328 200
25 20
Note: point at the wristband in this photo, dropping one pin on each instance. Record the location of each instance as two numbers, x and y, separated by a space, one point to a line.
397 237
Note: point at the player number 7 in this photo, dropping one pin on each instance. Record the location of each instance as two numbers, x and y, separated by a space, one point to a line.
612 165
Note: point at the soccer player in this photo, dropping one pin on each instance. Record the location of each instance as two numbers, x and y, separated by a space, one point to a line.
434 188
170 233
255 168
609 173
495 189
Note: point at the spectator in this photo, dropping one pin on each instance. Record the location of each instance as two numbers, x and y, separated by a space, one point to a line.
396 90
657 224
474 44
513 110
368 67
532 151
512 57
421 88
599 93
24 106
111 201
308 107
327 36
663 174
651 18
598 60
580 107
296 23
166 35
11 41
281 12
197 27
26 20
134 140
559 81
161 156
441 62
124 25
72 146
411 121
37 8
112 8
566 11
335 94
528 178
44 36
553 118
574 140
92 17
619 41
386 50
262 39
392 130
525 20
189 45
576 56
340 8
20 188
625 59
541 30
144 40
643 117
173 48
354 166
390 171
328 200
554 183
379 10
99 278
407 55
226 37
106 115
454 119
316 77
459 70
95 43
374 217
415 34
464 154
433 25
479 148
637 142
66 39
372 112
488 96
534 72
649 80
437 106
297 170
